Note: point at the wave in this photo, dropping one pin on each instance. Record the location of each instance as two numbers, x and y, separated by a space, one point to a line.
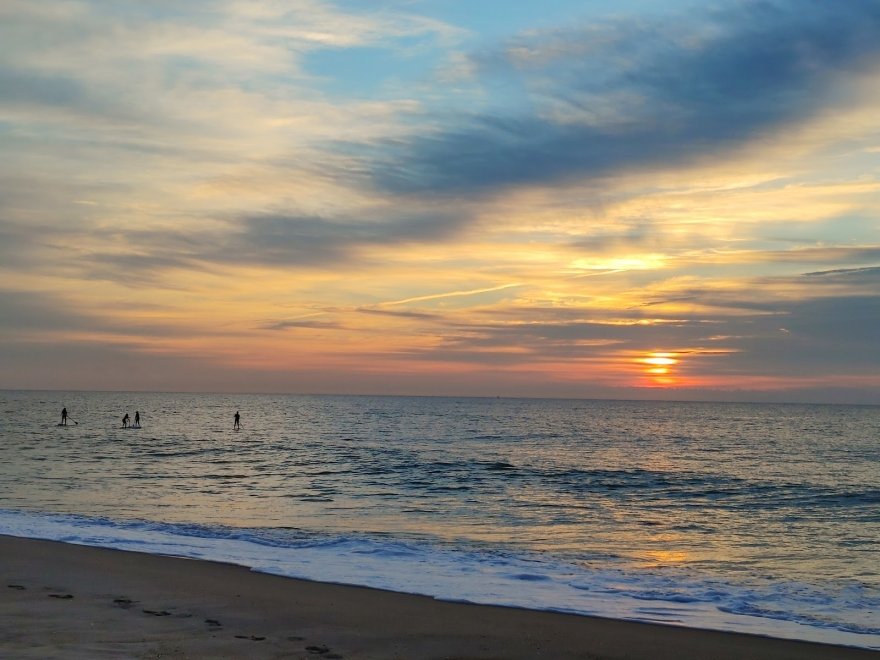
713 490
489 575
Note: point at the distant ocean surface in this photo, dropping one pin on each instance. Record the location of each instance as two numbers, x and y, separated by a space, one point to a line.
759 518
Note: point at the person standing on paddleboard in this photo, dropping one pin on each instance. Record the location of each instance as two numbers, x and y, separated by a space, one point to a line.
125 421
137 418
237 424
64 417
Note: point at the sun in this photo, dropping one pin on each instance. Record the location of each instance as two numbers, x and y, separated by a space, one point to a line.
659 367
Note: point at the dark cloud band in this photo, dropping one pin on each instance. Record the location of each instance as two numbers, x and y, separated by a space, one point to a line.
669 93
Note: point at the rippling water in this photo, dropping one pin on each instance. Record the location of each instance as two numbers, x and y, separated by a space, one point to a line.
761 518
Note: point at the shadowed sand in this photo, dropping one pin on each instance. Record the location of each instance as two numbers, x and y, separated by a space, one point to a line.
66 601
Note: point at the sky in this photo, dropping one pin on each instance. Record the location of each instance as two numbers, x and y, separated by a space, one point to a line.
627 199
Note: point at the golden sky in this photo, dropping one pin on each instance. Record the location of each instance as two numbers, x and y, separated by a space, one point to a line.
432 198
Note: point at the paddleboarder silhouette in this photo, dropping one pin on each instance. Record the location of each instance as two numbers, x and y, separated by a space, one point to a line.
237 424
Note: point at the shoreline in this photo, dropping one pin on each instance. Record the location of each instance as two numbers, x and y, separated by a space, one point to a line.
72 601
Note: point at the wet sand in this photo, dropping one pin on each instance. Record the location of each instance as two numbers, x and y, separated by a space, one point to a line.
67 601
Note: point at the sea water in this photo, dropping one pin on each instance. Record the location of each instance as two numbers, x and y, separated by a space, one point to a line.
756 518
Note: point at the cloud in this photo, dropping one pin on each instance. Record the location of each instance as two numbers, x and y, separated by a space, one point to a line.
215 79
815 255
869 274
302 323
678 91
175 118
807 326
29 312
43 318
28 89
402 314
279 239
146 258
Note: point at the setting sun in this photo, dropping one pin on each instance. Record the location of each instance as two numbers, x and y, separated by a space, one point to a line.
660 359
659 370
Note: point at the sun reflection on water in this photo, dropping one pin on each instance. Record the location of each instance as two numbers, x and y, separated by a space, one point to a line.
668 556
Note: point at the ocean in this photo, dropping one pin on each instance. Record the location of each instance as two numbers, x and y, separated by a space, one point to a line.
758 518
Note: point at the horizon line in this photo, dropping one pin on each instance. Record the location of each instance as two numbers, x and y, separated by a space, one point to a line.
463 396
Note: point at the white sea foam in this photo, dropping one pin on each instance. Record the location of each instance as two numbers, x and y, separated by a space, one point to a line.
476 575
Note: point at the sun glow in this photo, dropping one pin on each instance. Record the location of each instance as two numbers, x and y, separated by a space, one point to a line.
659 368
660 358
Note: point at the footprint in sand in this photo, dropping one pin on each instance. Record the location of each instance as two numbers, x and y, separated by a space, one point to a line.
124 603
157 612
61 596
253 638
324 652
16 586
213 623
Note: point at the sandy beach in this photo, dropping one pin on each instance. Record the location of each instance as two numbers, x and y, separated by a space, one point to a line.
68 601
